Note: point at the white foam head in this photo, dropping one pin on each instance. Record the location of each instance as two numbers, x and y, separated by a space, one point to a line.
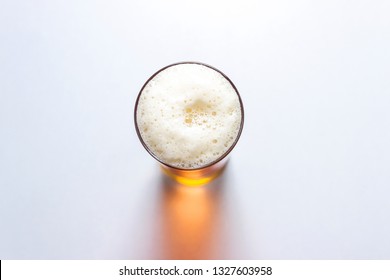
189 115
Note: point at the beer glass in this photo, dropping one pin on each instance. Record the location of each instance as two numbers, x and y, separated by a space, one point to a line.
189 116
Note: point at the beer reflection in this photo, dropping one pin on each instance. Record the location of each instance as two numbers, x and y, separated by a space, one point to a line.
190 220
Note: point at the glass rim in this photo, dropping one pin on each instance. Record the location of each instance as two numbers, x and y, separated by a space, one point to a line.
220 158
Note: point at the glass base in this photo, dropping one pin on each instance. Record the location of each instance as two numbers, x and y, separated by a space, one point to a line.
197 177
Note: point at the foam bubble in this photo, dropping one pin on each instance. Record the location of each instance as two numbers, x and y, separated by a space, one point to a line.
188 115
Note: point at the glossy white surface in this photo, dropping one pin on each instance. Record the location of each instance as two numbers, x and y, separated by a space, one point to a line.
309 178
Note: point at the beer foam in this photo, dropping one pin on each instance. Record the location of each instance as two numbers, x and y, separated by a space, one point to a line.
188 115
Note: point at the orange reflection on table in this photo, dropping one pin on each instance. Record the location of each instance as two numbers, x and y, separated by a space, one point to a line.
190 221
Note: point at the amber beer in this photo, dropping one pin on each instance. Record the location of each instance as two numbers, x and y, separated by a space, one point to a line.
189 116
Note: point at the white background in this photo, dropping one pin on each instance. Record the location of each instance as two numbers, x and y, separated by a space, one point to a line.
309 178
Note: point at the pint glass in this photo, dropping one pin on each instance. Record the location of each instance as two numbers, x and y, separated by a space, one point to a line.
189 116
